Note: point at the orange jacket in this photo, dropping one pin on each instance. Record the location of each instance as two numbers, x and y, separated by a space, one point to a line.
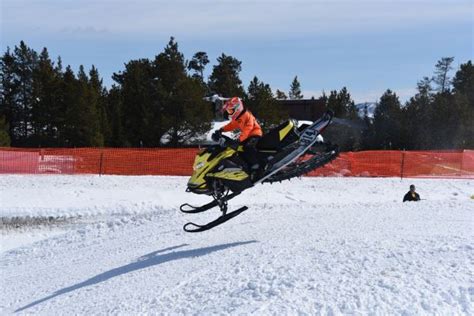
247 124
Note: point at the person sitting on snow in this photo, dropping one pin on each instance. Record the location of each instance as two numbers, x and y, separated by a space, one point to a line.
250 131
411 195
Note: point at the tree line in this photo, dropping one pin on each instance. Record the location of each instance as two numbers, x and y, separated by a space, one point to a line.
439 116
43 104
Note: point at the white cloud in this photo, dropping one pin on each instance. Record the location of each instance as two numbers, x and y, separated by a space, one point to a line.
223 18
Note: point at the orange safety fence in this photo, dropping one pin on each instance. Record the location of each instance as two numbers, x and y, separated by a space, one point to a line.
178 161
394 163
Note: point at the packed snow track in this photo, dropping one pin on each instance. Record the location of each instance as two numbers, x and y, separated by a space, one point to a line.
115 245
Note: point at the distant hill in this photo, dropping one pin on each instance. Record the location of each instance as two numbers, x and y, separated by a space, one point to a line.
367 106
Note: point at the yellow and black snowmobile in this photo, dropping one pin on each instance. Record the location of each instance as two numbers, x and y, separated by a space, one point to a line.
285 152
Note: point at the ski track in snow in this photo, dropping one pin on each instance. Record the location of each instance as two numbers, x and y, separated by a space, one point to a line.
311 246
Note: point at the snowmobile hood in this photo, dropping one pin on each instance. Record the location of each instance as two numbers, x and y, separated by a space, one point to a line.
204 162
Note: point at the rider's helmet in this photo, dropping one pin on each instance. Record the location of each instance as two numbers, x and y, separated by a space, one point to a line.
233 107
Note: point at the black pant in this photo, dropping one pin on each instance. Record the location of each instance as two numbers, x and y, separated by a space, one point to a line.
250 151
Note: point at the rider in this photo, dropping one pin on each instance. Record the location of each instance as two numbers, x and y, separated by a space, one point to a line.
250 130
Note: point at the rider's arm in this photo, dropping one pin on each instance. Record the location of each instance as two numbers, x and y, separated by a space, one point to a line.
230 126
247 127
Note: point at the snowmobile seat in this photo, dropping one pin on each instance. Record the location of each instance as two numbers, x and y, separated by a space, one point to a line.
278 137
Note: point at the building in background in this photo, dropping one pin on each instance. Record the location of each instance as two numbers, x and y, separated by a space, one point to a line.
305 109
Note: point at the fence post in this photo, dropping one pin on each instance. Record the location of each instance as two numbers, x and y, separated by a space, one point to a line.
402 166
101 162
37 170
74 155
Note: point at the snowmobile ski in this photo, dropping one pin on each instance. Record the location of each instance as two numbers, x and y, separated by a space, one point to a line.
187 208
195 228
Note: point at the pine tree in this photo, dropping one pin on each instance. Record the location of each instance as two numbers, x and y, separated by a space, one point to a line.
463 81
185 114
424 86
9 89
387 122
114 113
295 90
98 97
349 105
81 124
253 90
263 105
441 77
46 113
4 136
68 106
416 132
198 64
342 104
171 72
89 111
197 116
439 120
170 66
334 105
418 116
461 122
346 136
280 95
26 60
444 120
141 108
224 79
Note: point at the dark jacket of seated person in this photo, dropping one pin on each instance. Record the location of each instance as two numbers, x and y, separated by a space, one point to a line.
411 195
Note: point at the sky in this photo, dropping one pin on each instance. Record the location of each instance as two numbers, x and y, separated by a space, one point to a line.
367 46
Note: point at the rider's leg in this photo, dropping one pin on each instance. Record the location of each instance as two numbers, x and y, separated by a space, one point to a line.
250 152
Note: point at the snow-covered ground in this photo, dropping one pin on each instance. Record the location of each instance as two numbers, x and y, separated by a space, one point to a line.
115 245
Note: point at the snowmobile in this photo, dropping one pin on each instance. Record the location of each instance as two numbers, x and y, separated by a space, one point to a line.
285 152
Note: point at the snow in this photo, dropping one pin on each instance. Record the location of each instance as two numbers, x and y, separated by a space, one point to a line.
14 239
200 139
309 246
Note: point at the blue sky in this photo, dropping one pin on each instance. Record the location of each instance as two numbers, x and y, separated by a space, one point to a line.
367 46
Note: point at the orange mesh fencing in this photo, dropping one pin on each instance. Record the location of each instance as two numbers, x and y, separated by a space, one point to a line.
179 161
410 164
161 161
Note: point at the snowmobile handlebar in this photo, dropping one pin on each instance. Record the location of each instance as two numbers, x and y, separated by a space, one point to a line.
221 139
225 141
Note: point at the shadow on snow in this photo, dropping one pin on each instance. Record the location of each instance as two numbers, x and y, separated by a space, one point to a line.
143 262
